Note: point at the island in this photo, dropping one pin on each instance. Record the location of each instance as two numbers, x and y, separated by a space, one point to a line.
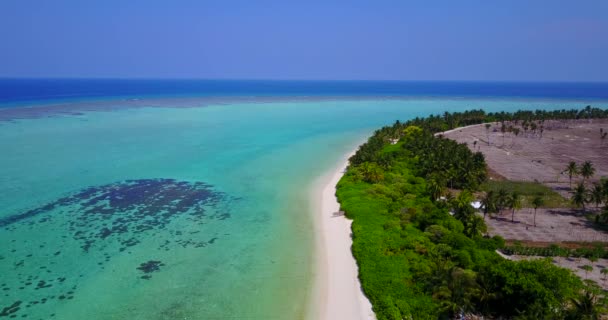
476 214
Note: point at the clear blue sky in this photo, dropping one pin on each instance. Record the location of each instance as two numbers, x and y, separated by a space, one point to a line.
256 39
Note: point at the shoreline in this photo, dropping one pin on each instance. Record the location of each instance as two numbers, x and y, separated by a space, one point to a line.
337 292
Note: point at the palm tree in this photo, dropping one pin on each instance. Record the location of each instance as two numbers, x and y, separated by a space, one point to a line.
587 269
516 133
587 170
449 198
451 174
371 172
488 132
572 170
488 202
579 198
514 204
597 194
603 216
462 206
585 307
475 226
502 199
537 202
533 127
435 188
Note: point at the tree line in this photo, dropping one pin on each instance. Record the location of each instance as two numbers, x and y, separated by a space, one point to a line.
583 194
451 120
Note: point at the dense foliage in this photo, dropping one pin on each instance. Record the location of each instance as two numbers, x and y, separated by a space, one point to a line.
419 261
596 251
448 121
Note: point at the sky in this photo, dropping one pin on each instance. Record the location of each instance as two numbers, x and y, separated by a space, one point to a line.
530 40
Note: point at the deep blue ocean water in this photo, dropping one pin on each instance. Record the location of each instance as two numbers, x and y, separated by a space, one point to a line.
16 91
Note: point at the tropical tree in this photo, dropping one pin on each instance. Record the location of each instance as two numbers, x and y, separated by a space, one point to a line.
488 203
462 206
602 217
604 183
579 198
597 194
436 188
463 290
594 258
516 133
587 268
585 307
514 204
587 170
488 132
449 197
502 199
474 226
371 172
537 202
452 175
572 170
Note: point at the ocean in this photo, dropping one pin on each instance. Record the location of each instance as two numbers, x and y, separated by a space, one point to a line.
190 199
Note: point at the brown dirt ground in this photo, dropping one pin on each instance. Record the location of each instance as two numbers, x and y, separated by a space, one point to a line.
552 226
530 157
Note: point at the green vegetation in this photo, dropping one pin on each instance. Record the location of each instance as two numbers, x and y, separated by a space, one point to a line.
418 261
596 250
596 194
448 121
587 170
530 120
579 196
537 202
528 191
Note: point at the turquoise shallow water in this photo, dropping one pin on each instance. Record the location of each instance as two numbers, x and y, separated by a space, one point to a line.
177 213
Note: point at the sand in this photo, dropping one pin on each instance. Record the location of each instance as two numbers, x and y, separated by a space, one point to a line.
337 293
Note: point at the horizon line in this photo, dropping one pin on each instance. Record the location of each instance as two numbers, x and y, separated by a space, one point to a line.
298 80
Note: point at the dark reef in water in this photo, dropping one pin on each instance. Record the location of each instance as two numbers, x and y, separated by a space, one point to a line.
8 311
149 267
151 197
101 222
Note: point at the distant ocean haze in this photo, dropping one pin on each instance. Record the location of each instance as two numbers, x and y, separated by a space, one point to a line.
19 91
196 212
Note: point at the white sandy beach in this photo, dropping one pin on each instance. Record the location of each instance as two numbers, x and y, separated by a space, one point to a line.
337 293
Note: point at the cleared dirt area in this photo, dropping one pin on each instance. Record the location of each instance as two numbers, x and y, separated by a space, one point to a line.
532 156
552 226
542 157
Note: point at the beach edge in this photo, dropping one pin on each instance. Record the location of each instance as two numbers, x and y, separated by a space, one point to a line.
337 292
